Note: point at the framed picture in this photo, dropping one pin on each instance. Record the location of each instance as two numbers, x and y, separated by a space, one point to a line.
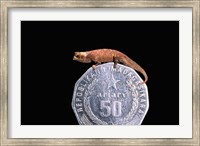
38 73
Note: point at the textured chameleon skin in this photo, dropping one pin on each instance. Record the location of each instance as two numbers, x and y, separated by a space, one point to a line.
109 55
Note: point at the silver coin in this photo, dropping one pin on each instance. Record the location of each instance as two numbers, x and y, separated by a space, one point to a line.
110 96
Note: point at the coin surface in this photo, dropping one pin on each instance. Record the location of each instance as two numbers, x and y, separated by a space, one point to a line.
110 96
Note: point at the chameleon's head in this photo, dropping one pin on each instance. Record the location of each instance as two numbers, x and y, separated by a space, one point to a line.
81 57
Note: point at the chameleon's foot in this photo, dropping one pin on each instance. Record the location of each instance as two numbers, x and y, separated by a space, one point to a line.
115 65
94 67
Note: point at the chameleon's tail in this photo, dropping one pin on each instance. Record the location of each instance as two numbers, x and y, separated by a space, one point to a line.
129 62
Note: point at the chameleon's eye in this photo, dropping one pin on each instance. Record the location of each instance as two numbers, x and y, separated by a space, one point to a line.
78 56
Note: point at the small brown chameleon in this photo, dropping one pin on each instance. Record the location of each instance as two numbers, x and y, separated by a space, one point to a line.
108 55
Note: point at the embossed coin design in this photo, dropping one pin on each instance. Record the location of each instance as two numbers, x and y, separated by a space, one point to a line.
110 96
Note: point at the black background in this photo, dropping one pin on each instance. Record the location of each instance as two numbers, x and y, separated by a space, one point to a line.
49 73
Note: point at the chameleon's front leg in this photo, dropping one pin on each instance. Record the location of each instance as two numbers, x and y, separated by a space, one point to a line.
115 60
95 65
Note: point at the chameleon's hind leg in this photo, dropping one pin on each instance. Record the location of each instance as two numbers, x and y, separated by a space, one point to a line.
95 65
115 60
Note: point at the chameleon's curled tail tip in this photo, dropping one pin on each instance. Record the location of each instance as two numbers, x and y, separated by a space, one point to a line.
143 82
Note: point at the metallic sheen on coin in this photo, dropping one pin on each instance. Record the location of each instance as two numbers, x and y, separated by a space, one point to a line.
110 96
